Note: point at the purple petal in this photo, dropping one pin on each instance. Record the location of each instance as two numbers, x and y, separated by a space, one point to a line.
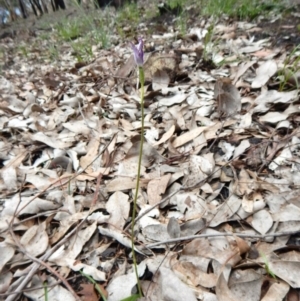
138 52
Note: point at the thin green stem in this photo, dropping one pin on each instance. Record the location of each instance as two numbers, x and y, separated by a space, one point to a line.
45 285
142 79
97 287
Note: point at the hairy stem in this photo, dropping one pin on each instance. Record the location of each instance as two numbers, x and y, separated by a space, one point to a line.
142 79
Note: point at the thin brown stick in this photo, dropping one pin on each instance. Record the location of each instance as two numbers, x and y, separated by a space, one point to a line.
41 262
35 266
35 216
242 235
38 287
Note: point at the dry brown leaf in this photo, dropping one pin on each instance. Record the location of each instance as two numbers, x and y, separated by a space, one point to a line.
192 275
188 136
88 292
92 152
242 245
156 188
223 292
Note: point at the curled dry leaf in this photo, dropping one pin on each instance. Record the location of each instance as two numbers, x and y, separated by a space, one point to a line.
242 245
227 97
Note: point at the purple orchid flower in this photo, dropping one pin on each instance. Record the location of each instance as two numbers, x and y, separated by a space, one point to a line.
138 52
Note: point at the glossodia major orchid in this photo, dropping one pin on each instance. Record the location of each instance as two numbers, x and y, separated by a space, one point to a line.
138 52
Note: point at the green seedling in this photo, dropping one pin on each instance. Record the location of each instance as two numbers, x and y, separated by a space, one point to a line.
181 23
241 9
207 41
97 287
267 267
290 68
24 50
53 51
129 13
69 30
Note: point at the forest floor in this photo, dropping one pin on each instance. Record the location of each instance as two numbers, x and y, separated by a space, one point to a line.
218 206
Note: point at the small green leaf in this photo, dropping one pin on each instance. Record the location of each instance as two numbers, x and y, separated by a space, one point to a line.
267 267
132 298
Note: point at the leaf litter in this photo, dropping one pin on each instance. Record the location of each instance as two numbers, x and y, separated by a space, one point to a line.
218 205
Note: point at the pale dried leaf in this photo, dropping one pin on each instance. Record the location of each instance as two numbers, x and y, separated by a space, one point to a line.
246 284
262 221
276 292
66 254
121 287
119 236
118 206
156 232
7 254
156 188
57 293
226 210
160 80
9 177
188 136
50 141
35 240
172 288
166 136
288 271
122 183
173 228
263 73
5 281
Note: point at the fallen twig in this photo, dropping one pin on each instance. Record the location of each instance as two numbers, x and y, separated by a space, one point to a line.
242 235
41 262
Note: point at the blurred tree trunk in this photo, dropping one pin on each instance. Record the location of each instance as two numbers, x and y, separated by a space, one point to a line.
38 5
45 8
57 4
23 9
53 5
33 8
11 10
